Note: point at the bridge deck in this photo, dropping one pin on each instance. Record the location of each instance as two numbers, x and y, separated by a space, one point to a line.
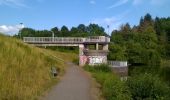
66 40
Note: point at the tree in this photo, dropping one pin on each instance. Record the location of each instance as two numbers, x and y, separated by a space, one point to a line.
56 31
82 28
95 30
74 31
27 32
64 31
125 28
145 22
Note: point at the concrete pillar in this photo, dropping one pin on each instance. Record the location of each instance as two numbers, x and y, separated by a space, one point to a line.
81 55
97 46
105 47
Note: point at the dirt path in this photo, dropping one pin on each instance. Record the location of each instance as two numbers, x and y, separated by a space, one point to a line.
75 85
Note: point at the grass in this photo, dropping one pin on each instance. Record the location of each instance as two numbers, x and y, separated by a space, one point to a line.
25 70
111 86
140 86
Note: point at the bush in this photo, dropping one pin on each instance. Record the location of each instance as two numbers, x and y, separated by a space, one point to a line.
114 89
147 86
165 73
102 76
111 85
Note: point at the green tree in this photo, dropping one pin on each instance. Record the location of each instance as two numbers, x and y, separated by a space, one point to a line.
56 31
27 32
65 31
74 32
82 28
95 30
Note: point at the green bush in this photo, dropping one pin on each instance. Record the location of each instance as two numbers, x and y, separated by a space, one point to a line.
147 86
115 89
111 85
102 76
165 73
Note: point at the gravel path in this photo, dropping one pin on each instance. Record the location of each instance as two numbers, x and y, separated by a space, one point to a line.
75 85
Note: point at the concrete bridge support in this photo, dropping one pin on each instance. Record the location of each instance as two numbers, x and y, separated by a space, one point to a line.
92 57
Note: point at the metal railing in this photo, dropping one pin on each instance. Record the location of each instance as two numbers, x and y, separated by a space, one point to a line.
118 63
65 39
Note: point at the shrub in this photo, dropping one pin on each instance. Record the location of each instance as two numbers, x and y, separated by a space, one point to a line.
147 86
114 89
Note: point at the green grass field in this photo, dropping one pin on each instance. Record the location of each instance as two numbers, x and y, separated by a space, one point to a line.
25 71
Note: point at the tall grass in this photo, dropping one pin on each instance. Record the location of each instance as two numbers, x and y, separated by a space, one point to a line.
140 86
25 70
111 85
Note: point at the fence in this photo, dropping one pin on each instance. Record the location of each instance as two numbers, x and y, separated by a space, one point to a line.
65 39
118 63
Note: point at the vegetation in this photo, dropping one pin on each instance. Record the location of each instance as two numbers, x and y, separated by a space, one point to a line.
25 70
112 87
148 87
139 87
144 44
79 31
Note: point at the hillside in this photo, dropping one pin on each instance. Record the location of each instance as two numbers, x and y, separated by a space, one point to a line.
25 70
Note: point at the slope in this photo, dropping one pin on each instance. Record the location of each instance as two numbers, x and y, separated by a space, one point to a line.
25 70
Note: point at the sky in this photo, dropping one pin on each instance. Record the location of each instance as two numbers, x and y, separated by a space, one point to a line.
46 14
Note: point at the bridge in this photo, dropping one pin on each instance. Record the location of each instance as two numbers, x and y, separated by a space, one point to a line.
86 55
68 41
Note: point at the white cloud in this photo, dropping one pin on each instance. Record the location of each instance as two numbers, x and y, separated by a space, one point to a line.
114 22
119 3
13 3
10 30
92 2
17 3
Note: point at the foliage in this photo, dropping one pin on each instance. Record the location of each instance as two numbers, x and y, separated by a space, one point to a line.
79 31
112 87
137 87
138 45
117 52
165 70
147 87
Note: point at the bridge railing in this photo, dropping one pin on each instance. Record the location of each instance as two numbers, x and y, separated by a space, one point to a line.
118 63
65 39
52 40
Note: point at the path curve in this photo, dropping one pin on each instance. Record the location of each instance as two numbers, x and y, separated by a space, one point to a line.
75 85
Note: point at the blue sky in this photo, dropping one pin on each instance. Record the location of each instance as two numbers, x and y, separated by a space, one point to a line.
45 14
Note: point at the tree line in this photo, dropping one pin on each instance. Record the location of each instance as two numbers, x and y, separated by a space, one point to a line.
143 44
80 31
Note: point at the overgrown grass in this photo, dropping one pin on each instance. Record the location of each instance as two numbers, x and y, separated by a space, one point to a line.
25 70
140 86
111 85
